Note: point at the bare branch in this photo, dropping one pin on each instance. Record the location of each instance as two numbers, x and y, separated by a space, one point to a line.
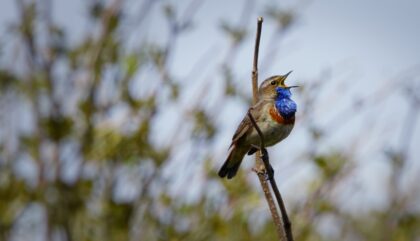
255 64
287 225
259 165
262 159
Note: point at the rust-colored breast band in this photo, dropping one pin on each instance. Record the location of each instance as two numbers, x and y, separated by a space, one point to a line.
275 115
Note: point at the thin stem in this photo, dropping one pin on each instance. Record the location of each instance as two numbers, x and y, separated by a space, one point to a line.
257 128
255 64
284 232
271 204
287 225
259 165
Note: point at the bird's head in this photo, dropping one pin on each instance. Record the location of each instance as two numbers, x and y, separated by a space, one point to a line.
274 87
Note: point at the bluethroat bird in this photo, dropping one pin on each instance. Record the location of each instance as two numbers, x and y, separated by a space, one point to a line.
274 114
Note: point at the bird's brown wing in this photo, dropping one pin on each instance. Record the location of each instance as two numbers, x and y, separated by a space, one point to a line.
246 124
243 127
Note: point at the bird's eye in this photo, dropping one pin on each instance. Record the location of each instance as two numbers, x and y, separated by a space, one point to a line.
273 82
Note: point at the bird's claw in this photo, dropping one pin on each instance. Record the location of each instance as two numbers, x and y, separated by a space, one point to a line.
264 155
269 173
258 171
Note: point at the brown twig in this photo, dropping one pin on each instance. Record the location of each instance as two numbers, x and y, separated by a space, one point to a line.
263 164
259 165
287 225
255 64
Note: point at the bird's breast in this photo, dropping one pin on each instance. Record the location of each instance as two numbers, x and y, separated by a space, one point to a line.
273 126
279 119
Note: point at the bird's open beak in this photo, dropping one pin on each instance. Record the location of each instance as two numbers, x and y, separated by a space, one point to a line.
283 79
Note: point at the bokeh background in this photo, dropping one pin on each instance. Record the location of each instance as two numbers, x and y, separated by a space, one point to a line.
116 115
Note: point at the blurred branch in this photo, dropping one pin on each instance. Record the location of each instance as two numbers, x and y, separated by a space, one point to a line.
27 16
108 18
410 122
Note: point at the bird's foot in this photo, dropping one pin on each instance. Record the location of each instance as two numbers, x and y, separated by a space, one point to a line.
264 155
259 171
266 173
269 173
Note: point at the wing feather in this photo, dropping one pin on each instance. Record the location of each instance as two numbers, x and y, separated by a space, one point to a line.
246 125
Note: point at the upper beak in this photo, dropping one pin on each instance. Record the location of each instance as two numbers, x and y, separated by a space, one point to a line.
285 76
293 86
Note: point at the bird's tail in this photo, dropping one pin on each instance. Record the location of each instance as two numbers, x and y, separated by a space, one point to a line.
232 163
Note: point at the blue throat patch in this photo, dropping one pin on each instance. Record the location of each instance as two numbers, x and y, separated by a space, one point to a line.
284 105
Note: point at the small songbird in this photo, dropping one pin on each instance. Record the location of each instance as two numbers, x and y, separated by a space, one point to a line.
274 114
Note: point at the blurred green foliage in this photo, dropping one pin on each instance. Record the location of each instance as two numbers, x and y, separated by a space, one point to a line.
61 87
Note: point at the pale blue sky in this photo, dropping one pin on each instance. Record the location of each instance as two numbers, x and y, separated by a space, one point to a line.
376 35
